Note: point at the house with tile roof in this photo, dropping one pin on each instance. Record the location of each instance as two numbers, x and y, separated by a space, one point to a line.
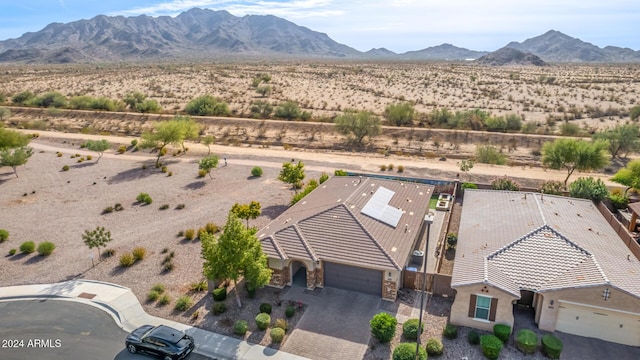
556 255
355 233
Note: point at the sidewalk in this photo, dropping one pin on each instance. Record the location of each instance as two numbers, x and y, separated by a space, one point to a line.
125 309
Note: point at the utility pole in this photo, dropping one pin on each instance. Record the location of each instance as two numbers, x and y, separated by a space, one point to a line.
428 219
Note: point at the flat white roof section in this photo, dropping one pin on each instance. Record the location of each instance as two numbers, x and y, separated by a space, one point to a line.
378 207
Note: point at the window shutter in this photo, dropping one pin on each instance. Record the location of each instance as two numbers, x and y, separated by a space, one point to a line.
472 305
492 311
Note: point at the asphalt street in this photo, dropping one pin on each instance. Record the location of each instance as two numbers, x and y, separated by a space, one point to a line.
52 329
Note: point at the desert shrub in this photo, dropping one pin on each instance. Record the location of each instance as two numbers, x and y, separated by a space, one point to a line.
134 142
400 168
552 187
89 157
122 149
218 308
473 337
126 260
46 248
164 169
502 332
118 207
407 351
159 288
450 331
282 324
434 346
219 294
202 173
452 239
551 346
22 98
28 247
211 228
290 311
240 327
526 341
199 286
168 266
410 329
487 154
144 198
505 183
201 231
383 327
265 308
189 234
164 300
340 173
588 188
256 171
107 210
138 253
307 189
4 235
180 206
153 296
108 253
469 186
65 168
207 105
618 200
383 167
276 335
184 302
59 154
491 346
263 320
13 252
323 177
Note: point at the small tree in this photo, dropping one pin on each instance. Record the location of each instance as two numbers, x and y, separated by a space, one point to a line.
12 139
247 211
634 113
292 174
466 166
208 163
98 146
629 176
263 90
4 113
358 125
97 238
588 188
15 157
164 133
572 155
288 110
208 140
400 114
620 139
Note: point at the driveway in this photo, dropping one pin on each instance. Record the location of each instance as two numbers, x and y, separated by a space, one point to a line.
335 324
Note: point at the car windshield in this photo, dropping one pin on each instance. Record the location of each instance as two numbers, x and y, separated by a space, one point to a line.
184 342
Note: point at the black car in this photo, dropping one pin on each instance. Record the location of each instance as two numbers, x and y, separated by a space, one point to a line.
161 340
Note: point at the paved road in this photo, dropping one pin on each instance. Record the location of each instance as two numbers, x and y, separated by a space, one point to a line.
52 329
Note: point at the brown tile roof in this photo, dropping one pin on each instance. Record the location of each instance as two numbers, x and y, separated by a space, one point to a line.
328 224
516 240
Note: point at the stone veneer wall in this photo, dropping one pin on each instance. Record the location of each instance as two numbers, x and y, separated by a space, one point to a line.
389 290
279 277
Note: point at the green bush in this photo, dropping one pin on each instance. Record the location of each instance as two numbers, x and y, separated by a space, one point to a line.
434 346
4 235
159 288
218 308
526 341
383 327
219 294
28 247
184 302
12 252
410 329
207 105
240 327
265 308
491 346
211 228
202 173
473 337
502 332
290 311
256 171
263 321
144 198
551 346
251 290
487 154
199 286
46 248
469 186
189 234
619 201
505 183
282 324
588 188
153 296
122 149
164 300
138 253
450 331
452 239
126 260
340 173
407 351
552 187
65 168
276 335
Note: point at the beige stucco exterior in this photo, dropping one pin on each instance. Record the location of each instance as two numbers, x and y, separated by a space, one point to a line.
460 307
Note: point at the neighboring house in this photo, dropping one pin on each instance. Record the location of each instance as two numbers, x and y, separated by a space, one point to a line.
555 254
354 233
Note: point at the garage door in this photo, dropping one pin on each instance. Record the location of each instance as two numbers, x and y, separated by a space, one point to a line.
600 323
353 278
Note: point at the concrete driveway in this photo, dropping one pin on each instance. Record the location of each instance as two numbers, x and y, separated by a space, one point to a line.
335 324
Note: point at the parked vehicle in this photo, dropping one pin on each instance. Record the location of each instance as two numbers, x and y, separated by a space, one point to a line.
163 341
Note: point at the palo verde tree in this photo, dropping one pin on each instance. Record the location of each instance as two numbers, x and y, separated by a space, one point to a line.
572 155
166 132
466 165
97 238
208 163
292 174
98 146
10 139
15 157
189 127
208 140
358 125
621 139
629 176
236 253
247 211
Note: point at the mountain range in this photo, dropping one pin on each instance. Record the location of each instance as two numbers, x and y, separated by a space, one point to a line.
206 34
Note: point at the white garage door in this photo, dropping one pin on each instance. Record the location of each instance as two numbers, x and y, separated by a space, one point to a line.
606 324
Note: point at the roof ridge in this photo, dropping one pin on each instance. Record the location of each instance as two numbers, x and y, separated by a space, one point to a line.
276 245
566 271
304 242
395 264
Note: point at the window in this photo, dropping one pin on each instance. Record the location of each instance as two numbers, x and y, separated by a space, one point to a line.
483 306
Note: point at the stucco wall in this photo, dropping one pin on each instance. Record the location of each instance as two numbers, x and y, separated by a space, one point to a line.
460 308
618 300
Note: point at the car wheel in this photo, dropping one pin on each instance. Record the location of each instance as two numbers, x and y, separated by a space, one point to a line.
132 349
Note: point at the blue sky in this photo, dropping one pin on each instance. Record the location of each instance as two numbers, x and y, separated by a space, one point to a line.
398 25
